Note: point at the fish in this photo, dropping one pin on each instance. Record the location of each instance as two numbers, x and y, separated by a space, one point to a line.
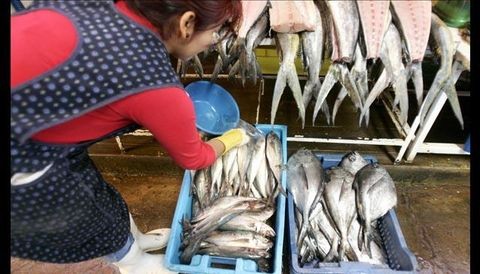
374 20
222 58
236 252
252 10
352 162
243 157
249 129
251 31
229 160
195 233
220 204
258 156
306 179
312 45
254 37
273 152
393 74
413 19
195 62
346 22
461 38
359 76
375 195
323 231
379 256
246 222
292 16
238 238
337 72
263 215
339 197
287 74
202 187
261 178
216 170
443 44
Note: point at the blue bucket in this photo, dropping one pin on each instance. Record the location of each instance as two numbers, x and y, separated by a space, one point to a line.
215 109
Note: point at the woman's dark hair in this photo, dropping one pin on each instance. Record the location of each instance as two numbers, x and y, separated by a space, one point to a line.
164 14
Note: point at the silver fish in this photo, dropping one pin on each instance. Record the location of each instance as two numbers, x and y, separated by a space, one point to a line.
379 255
306 181
340 200
239 238
257 157
413 20
195 233
359 75
445 47
202 187
394 74
248 223
195 62
273 152
216 175
254 37
287 74
261 179
375 195
352 162
312 45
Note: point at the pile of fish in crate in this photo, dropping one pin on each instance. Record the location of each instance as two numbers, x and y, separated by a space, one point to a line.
343 213
234 201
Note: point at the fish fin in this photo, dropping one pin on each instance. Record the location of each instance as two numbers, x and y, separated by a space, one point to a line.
451 93
347 81
329 81
381 84
437 85
401 95
217 69
360 237
280 84
341 95
350 252
417 78
333 252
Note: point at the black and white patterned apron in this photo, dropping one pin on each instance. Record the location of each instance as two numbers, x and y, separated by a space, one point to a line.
70 213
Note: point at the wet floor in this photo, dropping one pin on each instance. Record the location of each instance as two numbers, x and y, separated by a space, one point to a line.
434 191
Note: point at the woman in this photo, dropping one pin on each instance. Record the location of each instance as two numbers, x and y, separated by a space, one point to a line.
84 71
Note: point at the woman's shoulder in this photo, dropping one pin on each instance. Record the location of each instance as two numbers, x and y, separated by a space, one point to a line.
40 41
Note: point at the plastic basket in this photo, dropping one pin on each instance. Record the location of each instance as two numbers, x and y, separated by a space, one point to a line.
224 265
400 259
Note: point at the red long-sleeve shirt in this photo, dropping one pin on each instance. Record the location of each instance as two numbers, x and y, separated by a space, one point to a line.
43 40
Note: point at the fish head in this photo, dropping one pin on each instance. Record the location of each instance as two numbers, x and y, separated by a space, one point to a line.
353 162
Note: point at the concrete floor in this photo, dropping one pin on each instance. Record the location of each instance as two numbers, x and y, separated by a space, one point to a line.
434 191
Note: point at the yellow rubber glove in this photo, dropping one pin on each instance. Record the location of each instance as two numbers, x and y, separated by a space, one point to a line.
233 138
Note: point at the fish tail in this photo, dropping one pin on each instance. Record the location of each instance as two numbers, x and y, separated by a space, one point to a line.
328 83
341 95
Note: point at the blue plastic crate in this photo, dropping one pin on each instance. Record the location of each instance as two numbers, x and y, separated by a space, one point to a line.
400 259
223 265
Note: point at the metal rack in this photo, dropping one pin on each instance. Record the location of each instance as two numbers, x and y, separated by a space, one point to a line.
412 139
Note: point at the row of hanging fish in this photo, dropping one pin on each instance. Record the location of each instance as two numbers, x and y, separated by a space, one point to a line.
336 210
354 35
233 202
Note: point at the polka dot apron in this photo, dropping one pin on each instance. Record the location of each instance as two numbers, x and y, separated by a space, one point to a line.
70 213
